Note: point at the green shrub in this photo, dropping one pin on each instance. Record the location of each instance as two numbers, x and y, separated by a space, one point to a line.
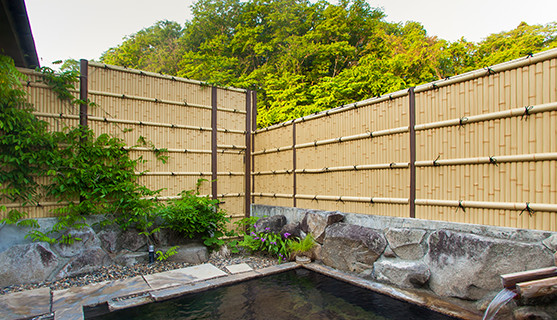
195 217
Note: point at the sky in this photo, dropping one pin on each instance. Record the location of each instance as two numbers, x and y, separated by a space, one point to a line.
84 29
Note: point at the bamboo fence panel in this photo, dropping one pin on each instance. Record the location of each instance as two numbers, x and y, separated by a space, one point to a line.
339 157
167 112
485 150
59 115
512 130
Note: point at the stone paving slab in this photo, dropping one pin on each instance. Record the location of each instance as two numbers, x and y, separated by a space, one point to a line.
238 268
183 276
128 303
73 313
25 304
66 302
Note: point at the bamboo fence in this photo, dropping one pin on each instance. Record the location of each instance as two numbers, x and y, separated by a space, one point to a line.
477 148
202 128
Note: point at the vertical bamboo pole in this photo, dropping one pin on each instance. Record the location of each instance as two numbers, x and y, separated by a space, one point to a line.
214 142
254 127
247 156
412 132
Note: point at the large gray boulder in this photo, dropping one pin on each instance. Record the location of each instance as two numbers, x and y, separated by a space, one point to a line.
108 237
351 248
27 263
271 224
406 243
315 222
131 240
193 253
469 266
405 274
88 239
89 260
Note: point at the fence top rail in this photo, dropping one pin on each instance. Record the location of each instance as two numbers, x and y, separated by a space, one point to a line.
517 63
159 75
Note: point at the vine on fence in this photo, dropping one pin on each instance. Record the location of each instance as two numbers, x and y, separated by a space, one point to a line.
85 173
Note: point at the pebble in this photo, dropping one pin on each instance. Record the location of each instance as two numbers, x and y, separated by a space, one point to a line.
117 272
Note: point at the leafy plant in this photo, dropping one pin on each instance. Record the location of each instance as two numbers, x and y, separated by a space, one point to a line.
302 246
85 173
268 242
196 216
162 256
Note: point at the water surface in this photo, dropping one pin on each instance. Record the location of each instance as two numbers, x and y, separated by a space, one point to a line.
295 294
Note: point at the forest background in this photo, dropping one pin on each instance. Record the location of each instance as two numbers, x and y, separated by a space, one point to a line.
303 57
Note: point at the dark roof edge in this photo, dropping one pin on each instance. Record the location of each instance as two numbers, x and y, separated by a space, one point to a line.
17 14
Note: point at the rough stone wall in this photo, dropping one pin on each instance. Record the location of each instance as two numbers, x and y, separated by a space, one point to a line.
452 260
23 261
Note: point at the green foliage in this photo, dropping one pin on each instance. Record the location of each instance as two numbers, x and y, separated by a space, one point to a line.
303 56
92 174
162 256
267 242
25 143
195 216
304 245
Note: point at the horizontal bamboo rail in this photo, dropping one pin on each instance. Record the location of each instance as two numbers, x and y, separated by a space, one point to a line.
168 173
156 100
521 206
135 122
524 111
316 143
516 112
220 195
392 165
157 75
38 204
492 159
425 163
513 64
334 198
528 207
173 150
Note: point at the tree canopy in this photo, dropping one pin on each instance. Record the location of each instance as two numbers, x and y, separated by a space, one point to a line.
304 57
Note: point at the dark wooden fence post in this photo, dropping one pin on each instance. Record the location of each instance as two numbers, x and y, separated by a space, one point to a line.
83 91
412 132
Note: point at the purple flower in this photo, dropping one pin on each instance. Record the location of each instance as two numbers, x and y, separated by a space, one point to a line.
255 226
267 229
253 233
273 242
255 238
262 240
286 234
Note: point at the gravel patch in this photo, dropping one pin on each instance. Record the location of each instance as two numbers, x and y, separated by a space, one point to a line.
117 272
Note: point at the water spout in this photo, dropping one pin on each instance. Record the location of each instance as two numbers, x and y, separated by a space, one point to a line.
501 299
